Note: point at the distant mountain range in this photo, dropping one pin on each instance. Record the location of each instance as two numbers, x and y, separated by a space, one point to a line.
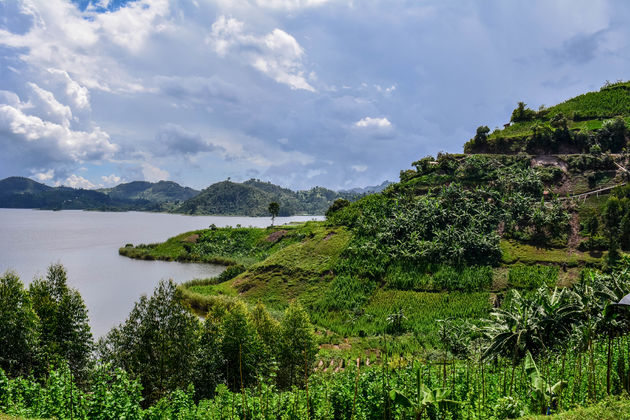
368 190
250 198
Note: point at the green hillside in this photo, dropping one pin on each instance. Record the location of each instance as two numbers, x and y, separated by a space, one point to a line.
593 120
157 192
252 198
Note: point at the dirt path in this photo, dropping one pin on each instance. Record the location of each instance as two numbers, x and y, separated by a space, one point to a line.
574 234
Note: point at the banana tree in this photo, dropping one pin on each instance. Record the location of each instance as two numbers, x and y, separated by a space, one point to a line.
544 394
425 398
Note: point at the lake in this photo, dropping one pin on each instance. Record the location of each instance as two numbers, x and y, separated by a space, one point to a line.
87 243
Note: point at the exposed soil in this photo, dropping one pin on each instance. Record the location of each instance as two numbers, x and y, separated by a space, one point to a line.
276 236
574 234
330 235
192 238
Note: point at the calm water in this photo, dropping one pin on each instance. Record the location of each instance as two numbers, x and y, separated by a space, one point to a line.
87 243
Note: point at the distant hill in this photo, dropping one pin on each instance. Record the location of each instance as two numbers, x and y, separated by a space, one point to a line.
369 189
19 192
252 198
158 192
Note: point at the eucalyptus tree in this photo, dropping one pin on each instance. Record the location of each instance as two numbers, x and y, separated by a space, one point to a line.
19 327
297 347
157 343
64 329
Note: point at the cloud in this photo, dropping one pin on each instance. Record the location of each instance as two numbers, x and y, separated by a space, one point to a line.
110 180
277 54
76 181
291 4
579 49
153 173
369 122
359 168
79 95
52 109
87 45
174 139
39 133
45 176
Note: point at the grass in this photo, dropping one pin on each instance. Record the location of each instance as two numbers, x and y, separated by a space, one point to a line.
225 246
514 252
609 409
421 311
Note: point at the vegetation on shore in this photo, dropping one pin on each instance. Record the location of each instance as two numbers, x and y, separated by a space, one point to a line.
480 286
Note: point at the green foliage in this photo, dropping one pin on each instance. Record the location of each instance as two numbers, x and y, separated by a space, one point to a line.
522 113
337 205
532 276
274 209
252 198
241 347
436 277
65 331
156 342
297 347
19 328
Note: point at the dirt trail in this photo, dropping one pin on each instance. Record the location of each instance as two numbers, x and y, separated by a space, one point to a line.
574 235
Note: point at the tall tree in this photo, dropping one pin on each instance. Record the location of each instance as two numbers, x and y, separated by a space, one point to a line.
157 343
241 346
297 346
65 331
19 326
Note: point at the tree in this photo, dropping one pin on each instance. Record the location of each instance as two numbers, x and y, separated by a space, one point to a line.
157 343
209 362
612 215
274 209
65 331
337 205
297 347
241 347
522 113
612 135
481 137
19 326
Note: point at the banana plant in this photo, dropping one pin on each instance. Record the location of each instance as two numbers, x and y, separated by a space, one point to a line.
544 394
426 397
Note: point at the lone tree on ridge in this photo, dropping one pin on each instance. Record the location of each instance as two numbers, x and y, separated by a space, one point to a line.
274 208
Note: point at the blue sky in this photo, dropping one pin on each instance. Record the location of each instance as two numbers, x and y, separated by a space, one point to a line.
298 92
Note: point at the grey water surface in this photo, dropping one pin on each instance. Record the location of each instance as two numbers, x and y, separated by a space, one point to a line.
87 243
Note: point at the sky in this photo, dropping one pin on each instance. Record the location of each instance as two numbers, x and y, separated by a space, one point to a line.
302 93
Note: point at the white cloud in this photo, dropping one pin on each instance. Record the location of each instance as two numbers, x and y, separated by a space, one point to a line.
45 176
79 95
75 181
52 108
277 54
42 129
359 168
369 122
88 45
110 180
153 173
312 173
291 4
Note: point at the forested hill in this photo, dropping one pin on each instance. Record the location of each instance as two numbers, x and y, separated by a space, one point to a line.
252 198
158 192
